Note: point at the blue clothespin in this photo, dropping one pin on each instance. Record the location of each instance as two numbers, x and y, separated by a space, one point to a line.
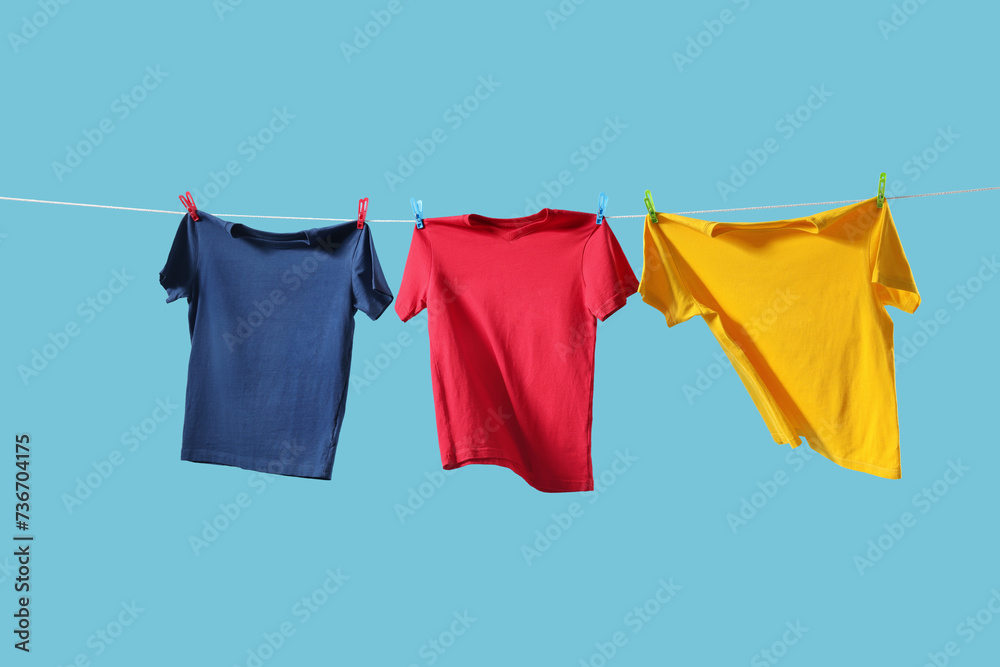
418 211
602 203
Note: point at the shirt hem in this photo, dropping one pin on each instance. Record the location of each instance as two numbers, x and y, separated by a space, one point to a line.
850 464
862 466
543 485
269 466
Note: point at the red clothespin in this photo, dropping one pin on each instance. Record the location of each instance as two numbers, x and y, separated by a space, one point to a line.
362 212
188 202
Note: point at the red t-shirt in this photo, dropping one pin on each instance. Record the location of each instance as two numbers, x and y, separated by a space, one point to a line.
512 307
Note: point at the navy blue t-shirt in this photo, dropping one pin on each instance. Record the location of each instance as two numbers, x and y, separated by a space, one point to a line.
272 325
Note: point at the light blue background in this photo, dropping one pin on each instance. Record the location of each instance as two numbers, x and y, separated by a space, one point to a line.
663 518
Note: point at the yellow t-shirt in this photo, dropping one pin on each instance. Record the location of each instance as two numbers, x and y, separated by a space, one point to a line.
799 307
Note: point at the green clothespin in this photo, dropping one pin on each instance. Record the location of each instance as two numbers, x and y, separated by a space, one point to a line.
881 190
648 200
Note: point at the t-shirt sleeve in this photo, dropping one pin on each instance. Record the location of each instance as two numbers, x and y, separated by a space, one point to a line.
178 276
662 285
416 277
371 291
891 277
607 277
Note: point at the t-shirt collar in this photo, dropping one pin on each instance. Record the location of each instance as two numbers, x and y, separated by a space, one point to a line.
269 239
511 228
812 224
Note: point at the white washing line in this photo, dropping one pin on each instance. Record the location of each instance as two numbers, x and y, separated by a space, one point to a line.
410 220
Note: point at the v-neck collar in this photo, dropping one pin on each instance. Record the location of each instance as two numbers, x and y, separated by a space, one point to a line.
511 228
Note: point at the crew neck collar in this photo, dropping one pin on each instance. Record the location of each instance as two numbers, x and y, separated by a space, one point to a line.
812 224
300 239
511 228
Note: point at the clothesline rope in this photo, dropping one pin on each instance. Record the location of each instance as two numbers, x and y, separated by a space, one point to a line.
410 220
